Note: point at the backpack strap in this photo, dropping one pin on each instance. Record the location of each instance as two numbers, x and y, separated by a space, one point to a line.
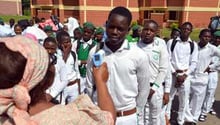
191 47
74 56
173 45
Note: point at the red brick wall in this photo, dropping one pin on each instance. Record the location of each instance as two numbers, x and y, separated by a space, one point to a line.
204 3
44 14
120 3
175 2
99 2
71 13
158 17
97 17
200 21
9 8
133 3
44 1
158 3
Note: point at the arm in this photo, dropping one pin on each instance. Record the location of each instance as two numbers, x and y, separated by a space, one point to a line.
143 86
170 55
104 99
193 60
163 66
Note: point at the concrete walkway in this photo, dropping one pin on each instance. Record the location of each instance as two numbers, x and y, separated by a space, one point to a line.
211 120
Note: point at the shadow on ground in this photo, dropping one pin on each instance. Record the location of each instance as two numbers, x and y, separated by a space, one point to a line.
216 107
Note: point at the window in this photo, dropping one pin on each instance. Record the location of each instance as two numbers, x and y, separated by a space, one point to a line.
173 15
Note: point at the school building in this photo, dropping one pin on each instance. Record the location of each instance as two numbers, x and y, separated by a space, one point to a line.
165 12
10 7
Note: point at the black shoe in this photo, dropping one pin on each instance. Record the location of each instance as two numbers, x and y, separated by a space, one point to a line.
202 118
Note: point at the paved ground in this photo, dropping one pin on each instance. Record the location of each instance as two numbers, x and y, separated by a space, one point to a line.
211 120
214 120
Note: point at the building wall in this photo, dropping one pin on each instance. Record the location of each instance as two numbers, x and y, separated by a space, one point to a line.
97 11
10 7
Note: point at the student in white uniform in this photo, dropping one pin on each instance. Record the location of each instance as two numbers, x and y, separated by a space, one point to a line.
156 49
212 84
60 80
128 81
164 117
183 58
199 78
72 90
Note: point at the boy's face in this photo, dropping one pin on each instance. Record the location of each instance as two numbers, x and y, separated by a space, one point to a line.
65 42
99 37
17 30
149 32
116 29
186 30
205 38
51 47
77 34
87 35
175 34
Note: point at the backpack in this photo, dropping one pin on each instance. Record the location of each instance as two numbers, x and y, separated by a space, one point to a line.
214 23
174 43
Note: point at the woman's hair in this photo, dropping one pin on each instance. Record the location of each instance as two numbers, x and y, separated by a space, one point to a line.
39 90
12 66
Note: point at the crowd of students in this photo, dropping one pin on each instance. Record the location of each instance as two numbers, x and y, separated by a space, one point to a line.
137 82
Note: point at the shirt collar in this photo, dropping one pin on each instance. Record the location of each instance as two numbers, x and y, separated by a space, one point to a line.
189 39
88 42
125 46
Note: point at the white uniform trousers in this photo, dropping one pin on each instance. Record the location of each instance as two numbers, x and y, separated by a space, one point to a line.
197 96
127 120
163 115
183 96
153 108
70 93
210 92
82 84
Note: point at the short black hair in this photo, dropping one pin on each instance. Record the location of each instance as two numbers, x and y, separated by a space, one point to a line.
60 34
154 22
187 23
204 31
50 39
120 10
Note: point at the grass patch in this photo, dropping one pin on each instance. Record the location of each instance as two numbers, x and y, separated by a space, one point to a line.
6 18
165 32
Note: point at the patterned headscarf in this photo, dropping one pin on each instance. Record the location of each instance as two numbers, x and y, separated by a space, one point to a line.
14 101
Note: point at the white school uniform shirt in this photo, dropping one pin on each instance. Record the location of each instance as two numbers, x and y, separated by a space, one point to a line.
72 67
128 82
181 58
205 57
159 60
60 81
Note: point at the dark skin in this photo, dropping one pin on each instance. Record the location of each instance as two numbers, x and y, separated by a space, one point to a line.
117 27
66 49
148 33
185 33
205 38
88 34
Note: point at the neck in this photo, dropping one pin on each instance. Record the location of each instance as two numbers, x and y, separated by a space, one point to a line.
113 48
184 39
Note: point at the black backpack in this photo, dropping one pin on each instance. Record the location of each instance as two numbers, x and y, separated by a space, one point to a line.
174 43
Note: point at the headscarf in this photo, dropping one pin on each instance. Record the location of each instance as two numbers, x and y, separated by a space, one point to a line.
14 101
72 25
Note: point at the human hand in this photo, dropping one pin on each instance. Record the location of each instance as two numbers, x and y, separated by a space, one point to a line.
101 73
180 80
166 98
151 93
